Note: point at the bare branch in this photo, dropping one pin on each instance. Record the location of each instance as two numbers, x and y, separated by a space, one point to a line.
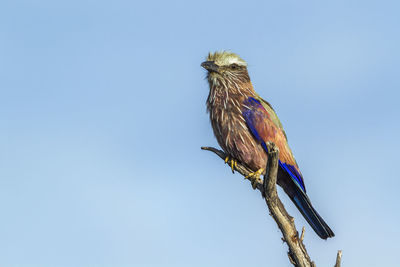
297 253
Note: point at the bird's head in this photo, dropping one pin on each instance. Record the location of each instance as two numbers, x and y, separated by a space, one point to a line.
225 66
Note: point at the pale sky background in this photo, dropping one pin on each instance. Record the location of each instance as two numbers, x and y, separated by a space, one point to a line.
102 115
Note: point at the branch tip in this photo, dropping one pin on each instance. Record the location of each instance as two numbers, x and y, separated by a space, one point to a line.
302 234
338 259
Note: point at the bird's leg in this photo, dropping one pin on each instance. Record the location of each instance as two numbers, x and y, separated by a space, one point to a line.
233 163
254 178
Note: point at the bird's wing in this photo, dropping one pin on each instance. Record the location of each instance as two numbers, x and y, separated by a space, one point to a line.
270 110
266 127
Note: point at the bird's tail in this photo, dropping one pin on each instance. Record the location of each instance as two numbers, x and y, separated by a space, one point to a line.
303 203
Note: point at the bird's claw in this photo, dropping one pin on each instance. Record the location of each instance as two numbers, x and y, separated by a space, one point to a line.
233 163
254 178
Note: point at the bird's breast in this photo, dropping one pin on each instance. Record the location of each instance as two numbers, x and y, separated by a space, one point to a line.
233 135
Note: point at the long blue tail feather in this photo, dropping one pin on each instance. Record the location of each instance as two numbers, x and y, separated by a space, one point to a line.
302 202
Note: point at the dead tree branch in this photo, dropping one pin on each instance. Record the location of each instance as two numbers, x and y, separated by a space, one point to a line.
297 253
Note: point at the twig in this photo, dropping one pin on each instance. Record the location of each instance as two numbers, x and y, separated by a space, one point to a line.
338 259
297 253
302 234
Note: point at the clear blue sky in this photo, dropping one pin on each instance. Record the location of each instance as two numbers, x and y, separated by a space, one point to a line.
102 115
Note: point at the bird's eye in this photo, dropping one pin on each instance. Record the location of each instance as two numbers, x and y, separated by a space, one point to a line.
234 66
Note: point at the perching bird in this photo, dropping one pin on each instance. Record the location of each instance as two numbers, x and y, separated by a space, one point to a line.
243 123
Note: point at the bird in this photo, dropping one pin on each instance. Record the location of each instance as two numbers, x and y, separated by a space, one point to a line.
243 123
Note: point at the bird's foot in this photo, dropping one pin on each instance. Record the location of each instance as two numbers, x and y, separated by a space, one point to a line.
233 163
254 178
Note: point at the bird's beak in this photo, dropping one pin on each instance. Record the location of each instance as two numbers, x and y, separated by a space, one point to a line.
210 66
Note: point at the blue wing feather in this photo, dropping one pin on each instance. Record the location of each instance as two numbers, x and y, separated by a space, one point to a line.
294 174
